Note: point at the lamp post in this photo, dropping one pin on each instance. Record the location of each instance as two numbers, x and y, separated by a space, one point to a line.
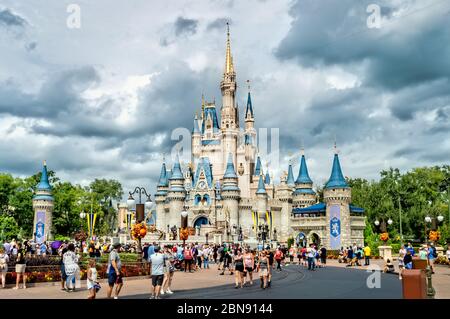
140 209
91 217
184 224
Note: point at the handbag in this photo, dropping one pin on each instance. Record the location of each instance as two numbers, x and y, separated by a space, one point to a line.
97 287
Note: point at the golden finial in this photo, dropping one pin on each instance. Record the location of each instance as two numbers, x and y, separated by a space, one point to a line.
248 85
45 163
228 57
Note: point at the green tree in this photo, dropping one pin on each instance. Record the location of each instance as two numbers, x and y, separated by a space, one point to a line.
8 228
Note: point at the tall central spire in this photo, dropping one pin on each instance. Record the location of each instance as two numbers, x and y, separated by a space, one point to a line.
229 68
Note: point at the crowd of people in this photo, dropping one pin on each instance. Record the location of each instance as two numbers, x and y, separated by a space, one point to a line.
245 263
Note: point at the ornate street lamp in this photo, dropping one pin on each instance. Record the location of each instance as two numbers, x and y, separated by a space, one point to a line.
184 233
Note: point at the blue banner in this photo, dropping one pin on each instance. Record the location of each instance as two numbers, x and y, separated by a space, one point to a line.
40 227
335 227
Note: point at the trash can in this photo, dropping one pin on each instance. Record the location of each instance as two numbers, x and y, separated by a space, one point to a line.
414 284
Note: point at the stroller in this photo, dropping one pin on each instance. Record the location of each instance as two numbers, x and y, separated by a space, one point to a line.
178 264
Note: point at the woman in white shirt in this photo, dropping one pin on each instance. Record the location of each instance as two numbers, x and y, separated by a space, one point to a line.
71 267
4 260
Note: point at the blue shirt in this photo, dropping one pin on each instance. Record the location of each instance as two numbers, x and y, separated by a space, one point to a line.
151 250
411 250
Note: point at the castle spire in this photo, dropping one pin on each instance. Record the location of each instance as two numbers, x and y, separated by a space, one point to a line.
303 175
261 186
229 68
337 179
249 110
290 177
44 183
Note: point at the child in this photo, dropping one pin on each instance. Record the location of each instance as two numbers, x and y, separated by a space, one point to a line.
389 267
92 283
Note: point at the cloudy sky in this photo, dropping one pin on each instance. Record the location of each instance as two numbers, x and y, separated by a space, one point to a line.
102 100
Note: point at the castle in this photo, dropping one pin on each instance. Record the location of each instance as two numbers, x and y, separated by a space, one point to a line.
226 193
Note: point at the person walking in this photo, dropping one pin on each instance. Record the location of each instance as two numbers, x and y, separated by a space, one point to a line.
263 265
367 252
206 255
188 257
71 267
4 260
21 266
169 270
92 283
323 256
249 263
239 269
114 272
311 256
157 262
292 253
278 257
401 261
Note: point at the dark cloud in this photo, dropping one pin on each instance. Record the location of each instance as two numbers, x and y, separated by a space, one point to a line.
59 94
184 26
399 54
219 23
425 97
10 19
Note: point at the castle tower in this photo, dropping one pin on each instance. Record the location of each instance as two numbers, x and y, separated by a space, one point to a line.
290 178
231 192
43 209
229 116
337 196
261 200
228 86
249 116
284 195
176 194
160 198
304 195
196 139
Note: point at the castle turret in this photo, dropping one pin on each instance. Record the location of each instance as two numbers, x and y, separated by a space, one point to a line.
43 203
196 140
230 192
290 178
284 195
176 194
304 195
261 200
337 196
229 112
160 198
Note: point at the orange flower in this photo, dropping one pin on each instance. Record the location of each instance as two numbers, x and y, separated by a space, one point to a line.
384 237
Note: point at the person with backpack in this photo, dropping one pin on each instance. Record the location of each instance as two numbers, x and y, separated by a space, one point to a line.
4 260
432 255
21 266
188 257
278 258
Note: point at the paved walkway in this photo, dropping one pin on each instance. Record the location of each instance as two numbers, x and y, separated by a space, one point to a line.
334 281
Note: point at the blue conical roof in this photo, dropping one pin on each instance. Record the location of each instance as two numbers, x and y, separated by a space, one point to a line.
249 110
261 187
163 181
258 167
267 178
290 178
337 179
176 171
44 183
303 176
230 172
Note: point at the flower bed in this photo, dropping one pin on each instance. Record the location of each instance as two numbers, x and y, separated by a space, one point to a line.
37 274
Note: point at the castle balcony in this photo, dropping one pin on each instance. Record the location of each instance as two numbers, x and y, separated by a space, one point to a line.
308 222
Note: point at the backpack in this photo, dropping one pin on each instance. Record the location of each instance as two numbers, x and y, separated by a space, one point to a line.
434 252
188 254
3 263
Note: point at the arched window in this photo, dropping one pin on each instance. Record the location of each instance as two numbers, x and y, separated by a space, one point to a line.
201 221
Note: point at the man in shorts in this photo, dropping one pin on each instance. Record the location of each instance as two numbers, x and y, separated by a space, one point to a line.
157 262
114 273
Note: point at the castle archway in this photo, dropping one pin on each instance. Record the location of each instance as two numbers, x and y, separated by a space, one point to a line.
202 220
